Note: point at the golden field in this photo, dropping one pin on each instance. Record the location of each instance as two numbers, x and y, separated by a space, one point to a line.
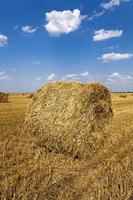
29 171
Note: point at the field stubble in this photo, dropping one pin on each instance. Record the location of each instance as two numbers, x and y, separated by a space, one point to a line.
31 172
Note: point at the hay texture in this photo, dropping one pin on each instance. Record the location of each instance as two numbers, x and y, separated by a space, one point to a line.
69 117
3 97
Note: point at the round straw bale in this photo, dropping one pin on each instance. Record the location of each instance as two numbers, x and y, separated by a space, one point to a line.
70 117
29 96
3 97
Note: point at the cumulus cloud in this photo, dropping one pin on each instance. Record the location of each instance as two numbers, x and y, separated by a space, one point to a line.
103 34
77 77
28 29
85 74
96 15
50 77
37 62
3 75
38 78
112 3
3 40
59 22
111 47
115 57
118 78
70 77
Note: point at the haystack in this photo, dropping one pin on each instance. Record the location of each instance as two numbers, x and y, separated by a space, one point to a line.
3 97
123 95
29 96
70 118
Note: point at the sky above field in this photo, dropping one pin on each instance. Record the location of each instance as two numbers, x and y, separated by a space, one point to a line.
76 40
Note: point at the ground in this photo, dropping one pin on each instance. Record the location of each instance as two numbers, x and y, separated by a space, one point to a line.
30 172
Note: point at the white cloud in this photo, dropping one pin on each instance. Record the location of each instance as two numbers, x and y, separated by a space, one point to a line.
2 73
115 74
51 77
111 47
117 78
3 76
112 3
103 34
85 74
70 77
96 15
118 75
3 40
38 78
115 57
37 62
28 29
59 22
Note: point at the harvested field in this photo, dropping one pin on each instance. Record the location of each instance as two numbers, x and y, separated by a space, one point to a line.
28 171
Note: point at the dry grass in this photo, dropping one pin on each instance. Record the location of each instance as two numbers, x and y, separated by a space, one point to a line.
30 172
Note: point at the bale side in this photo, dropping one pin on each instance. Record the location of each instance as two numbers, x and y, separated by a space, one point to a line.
70 117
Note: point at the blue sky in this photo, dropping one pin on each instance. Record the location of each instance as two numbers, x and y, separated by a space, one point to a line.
76 40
